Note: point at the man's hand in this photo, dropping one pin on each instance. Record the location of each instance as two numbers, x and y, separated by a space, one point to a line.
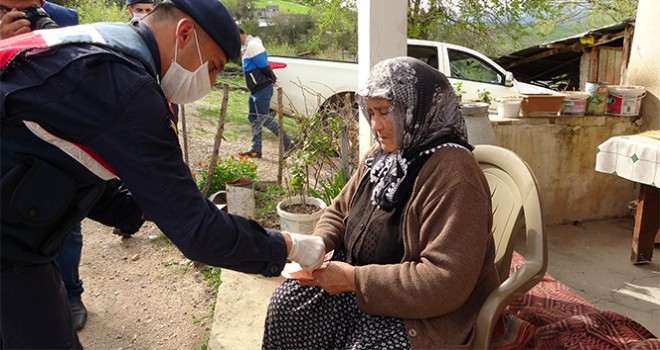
306 250
13 23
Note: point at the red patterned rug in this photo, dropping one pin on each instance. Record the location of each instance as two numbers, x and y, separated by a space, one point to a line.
552 316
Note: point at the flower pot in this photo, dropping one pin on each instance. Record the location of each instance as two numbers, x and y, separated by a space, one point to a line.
541 105
509 107
240 198
299 223
479 127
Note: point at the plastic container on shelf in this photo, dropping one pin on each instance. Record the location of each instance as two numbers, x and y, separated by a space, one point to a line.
597 100
575 103
625 100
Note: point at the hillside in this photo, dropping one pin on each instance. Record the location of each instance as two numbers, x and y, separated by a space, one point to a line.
286 7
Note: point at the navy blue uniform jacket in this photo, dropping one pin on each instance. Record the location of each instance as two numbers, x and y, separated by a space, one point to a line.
108 101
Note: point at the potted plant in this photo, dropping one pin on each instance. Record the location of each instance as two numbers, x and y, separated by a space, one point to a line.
310 165
231 183
485 96
458 90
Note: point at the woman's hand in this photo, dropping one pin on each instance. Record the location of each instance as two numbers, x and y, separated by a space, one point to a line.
335 278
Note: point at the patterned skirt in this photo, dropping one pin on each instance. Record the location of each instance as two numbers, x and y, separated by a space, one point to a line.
309 318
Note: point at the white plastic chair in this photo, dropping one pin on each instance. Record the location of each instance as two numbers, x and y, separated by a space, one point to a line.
514 192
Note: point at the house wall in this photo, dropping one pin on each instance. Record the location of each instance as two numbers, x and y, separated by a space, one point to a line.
644 66
562 153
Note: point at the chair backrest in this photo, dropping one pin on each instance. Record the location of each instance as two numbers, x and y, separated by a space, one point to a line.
514 191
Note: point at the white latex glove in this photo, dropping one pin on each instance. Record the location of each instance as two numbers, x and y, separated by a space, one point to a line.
306 250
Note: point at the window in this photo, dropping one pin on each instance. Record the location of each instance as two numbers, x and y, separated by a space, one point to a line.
468 67
427 54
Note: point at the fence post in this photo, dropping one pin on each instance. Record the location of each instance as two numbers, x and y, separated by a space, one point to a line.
281 136
218 138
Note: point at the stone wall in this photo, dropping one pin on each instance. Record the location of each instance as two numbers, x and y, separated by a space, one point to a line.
562 153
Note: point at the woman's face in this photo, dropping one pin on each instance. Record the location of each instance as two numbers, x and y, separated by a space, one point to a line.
381 123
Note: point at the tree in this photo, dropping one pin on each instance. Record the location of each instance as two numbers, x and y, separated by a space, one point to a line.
336 25
493 27
240 9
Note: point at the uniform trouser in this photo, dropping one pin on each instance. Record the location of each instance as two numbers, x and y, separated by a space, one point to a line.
69 260
34 310
258 109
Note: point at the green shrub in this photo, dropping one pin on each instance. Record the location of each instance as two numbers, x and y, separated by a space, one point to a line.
230 169
90 11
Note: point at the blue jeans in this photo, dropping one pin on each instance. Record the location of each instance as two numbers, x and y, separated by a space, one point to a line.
258 109
68 261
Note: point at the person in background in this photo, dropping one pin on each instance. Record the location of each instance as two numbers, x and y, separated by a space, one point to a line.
411 231
137 9
259 78
81 106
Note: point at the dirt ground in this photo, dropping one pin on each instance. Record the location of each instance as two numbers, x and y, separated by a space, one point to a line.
141 292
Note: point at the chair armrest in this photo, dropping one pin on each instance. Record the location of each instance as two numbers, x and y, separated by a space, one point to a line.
518 283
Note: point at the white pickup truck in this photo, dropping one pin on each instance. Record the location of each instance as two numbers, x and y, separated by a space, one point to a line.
311 85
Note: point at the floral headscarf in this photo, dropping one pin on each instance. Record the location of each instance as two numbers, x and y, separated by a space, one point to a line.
425 116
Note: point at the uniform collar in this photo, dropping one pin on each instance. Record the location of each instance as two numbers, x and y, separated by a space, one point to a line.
149 39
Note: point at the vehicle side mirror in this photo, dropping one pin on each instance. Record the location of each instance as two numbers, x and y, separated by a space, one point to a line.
508 79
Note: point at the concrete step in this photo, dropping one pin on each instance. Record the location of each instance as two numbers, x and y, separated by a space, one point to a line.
240 311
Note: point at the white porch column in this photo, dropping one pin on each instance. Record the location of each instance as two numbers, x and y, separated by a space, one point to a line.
382 33
644 64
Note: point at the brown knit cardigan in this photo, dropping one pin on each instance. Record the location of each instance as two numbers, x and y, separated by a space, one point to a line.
447 270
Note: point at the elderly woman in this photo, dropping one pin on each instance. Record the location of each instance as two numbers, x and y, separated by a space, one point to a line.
411 231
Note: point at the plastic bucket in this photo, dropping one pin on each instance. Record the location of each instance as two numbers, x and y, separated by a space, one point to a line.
597 100
575 103
625 100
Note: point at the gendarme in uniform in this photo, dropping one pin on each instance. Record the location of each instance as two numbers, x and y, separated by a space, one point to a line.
83 108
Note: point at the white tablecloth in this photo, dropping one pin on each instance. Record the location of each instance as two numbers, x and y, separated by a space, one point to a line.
634 157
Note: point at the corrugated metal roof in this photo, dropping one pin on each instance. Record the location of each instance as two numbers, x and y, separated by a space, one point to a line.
544 61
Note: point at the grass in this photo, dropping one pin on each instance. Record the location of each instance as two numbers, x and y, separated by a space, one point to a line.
286 7
212 277
237 109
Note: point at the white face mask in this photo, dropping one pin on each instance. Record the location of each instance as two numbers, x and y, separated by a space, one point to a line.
138 16
182 86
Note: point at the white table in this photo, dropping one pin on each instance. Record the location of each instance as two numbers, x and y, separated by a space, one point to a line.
637 158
